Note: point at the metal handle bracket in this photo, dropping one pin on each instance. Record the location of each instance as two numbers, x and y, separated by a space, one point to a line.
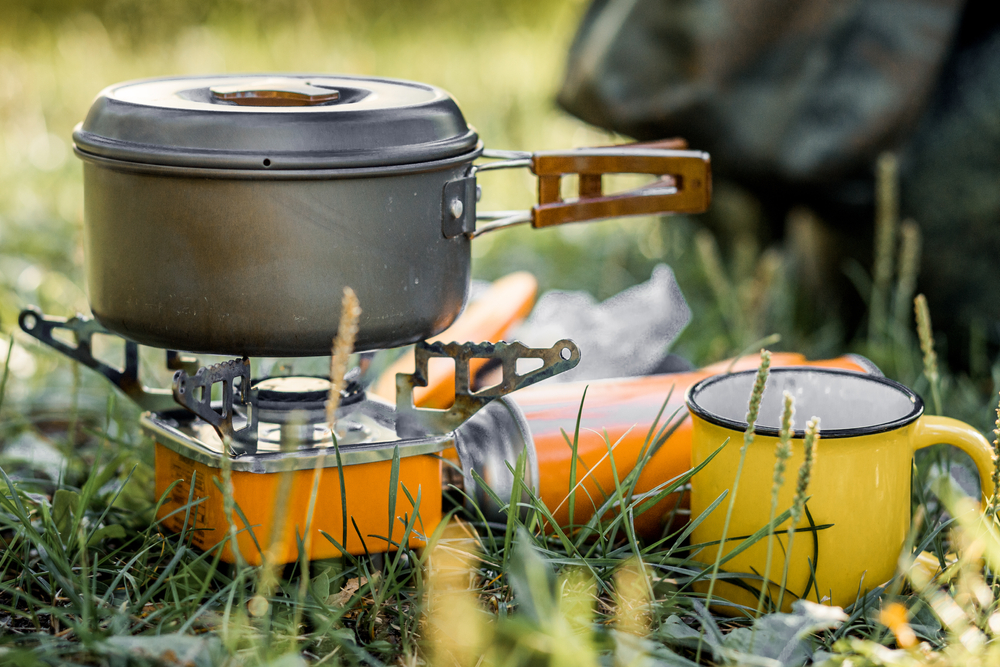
458 207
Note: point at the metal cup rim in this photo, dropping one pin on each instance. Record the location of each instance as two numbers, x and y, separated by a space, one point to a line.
741 425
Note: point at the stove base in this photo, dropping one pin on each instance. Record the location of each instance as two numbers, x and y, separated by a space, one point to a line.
256 495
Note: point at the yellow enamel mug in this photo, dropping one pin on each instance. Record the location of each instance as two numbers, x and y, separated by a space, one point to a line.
860 488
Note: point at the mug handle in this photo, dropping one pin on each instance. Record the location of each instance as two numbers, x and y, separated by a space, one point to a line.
933 430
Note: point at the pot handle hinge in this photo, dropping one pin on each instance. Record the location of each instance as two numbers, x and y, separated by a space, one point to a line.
458 207
414 422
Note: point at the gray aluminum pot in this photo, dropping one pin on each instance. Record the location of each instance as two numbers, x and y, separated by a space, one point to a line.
226 214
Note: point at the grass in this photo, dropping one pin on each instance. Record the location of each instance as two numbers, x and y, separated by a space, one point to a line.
88 577
85 579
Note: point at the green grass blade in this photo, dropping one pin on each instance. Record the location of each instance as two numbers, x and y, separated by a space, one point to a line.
574 448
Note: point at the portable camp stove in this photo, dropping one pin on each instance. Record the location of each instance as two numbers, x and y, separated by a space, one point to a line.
273 436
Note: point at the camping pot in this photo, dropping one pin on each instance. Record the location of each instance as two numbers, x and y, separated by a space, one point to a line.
225 214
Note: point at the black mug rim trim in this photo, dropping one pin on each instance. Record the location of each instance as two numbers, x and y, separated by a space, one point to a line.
718 420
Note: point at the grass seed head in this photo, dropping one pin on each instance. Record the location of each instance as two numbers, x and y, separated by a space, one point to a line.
925 333
799 501
909 267
805 470
887 215
994 504
756 395
632 601
783 451
926 337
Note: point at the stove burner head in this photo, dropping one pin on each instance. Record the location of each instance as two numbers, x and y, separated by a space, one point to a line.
279 398
295 407
291 413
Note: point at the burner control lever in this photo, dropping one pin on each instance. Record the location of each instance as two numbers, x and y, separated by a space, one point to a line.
413 422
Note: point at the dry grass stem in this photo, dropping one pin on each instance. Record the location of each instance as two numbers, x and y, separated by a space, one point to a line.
343 347
924 332
909 268
753 410
228 504
632 599
799 501
307 541
887 201
228 508
456 629
782 453
273 554
994 501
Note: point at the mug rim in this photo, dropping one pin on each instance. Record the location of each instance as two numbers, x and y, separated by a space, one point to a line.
719 420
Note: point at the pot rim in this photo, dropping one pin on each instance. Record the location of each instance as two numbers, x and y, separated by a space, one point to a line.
279 174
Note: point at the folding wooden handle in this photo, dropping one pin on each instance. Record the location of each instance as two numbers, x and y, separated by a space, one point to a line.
685 185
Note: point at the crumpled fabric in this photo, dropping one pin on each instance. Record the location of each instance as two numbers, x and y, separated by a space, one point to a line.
625 336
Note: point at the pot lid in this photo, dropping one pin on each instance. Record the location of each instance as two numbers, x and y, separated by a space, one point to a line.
274 122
